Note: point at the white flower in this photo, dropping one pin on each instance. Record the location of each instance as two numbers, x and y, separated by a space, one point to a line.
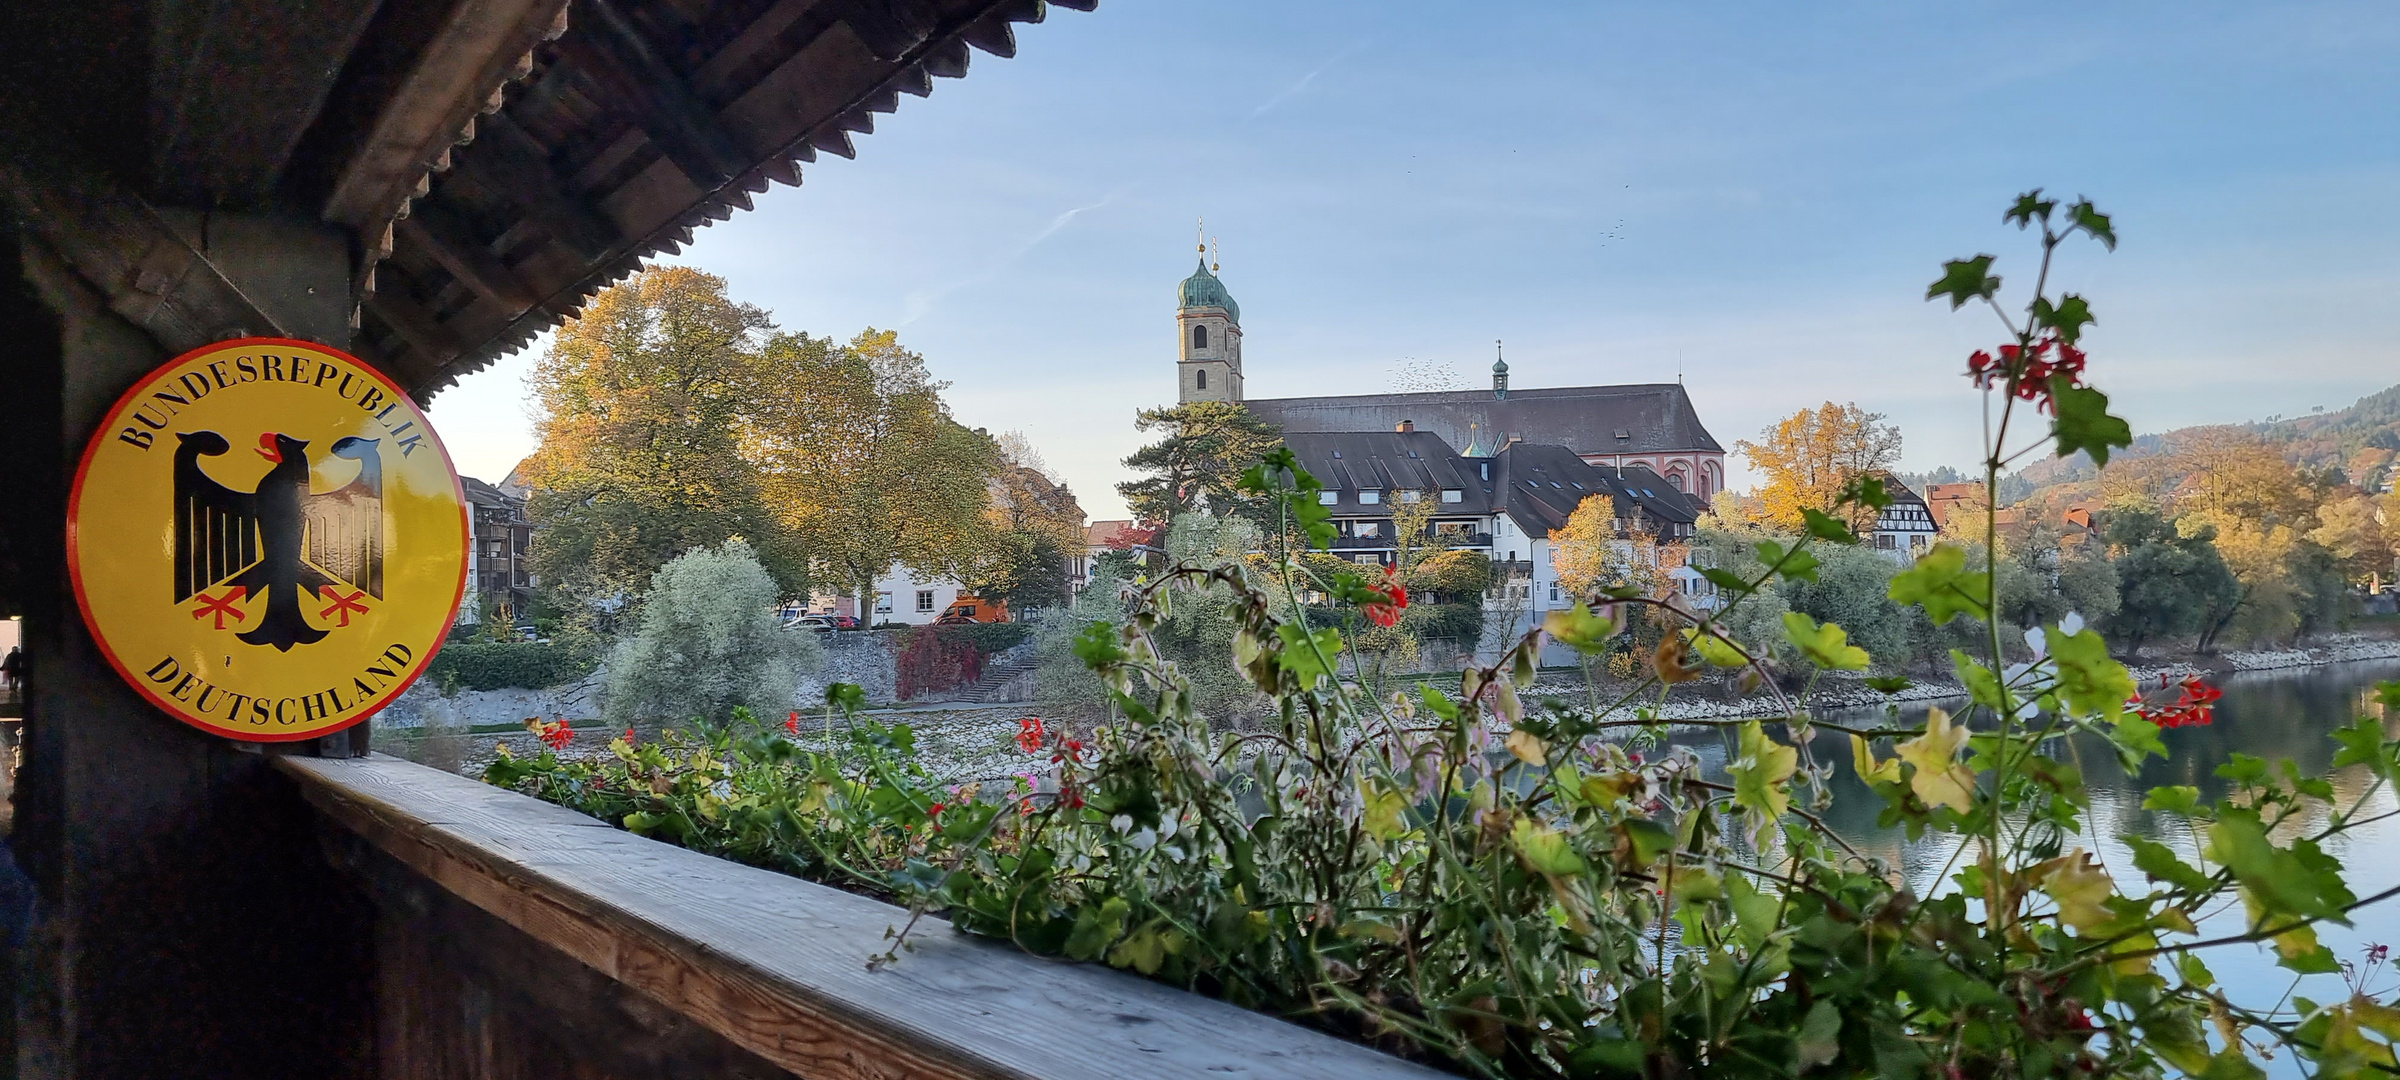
1122 823
2072 624
2038 641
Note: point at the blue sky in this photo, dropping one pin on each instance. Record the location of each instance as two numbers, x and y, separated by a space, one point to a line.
1755 194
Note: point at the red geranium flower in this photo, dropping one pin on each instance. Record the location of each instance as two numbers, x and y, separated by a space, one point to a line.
1386 611
792 723
1030 734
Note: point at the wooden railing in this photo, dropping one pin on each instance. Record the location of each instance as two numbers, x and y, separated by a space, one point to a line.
521 939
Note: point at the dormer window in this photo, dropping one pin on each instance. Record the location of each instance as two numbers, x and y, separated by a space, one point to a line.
1199 338
1370 496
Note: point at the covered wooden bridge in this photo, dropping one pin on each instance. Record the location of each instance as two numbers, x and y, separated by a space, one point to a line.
428 184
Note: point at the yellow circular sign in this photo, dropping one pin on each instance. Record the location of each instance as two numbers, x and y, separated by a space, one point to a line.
267 539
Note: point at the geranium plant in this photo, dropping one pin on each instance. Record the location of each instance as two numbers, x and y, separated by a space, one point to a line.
1522 892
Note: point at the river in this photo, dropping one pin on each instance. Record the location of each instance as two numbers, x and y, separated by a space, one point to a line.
2272 715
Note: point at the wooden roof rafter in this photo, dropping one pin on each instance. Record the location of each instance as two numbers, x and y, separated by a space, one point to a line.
630 128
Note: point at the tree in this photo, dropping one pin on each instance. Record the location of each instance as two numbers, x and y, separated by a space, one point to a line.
708 642
863 463
2168 584
641 402
1589 551
1036 530
1809 455
1853 588
2351 530
1206 447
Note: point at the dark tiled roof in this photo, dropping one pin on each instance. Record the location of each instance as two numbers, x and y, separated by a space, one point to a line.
1544 484
483 494
1655 417
1348 462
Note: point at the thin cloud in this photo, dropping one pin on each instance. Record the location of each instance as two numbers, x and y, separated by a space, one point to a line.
1290 91
922 302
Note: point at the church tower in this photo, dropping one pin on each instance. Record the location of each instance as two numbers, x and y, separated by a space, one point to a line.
1208 326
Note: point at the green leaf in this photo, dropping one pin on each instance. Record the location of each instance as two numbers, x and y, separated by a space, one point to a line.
1579 629
2084 423
1820 1035
1888 684
1726 579
1303 661
1713 648
1981 684
2173 799
1098 646
1754 912
1437 701
1097 927
2363 744
2087 217
1385 813
2091 682
2279 881
1545 849
1963 280
1942 585
1797 565
2161 864
848 697
1645 840
1827 527
2068 318
1865 489
2388 694
1828 645
2232 1063
1762 775
2030 208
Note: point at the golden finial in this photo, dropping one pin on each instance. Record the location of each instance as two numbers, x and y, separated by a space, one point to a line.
1213 264
1201 230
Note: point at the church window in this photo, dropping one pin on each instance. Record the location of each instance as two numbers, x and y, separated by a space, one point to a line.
1202 378
1199 337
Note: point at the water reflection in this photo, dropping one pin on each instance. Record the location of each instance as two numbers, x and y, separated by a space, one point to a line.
2271 715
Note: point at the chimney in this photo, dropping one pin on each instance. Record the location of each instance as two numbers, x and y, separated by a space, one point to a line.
1405 425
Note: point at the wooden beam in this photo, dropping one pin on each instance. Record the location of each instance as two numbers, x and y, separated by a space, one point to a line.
415 325
508 163
124 249
234 84
778 965
685 127
472 56
439 236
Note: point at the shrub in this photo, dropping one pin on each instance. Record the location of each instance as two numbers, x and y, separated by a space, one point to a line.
707 642
931 662
517 665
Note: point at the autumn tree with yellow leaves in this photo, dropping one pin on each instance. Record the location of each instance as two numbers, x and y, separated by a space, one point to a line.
1808 457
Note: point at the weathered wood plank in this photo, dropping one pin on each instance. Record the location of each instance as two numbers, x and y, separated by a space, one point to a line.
237 87
474 53
778 965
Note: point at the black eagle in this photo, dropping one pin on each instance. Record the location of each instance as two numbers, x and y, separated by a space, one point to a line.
281 540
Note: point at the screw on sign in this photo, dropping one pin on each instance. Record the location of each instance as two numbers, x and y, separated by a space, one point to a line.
283 591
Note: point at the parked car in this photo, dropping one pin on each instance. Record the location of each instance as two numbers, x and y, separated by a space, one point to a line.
820 623
842 622
972 609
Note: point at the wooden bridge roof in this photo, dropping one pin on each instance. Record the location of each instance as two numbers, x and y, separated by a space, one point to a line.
495 162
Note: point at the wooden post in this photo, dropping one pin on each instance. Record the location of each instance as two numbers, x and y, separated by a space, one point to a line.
188 925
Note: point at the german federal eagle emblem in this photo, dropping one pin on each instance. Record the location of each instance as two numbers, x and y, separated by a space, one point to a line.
281 542
267 540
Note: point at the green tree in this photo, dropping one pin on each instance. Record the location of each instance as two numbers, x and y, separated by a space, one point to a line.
707 642
1201 457
1853 588
641 403
863 464
2168 584
1035 531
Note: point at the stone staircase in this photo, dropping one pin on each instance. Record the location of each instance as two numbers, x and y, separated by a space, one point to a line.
1006 677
